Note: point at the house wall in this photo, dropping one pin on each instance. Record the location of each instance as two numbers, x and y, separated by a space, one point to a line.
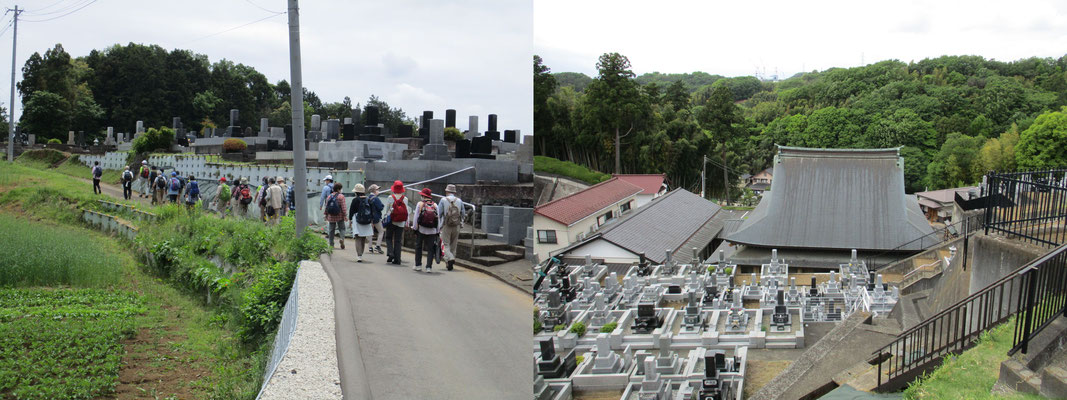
602 249
566 235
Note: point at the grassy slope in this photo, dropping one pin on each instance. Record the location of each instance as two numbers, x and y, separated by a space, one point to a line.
181 347
972 374
571 170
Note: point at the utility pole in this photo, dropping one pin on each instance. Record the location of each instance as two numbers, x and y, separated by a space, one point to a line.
296 98
703 170
725 180
11 105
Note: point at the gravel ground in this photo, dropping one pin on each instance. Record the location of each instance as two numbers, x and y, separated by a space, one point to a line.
309 368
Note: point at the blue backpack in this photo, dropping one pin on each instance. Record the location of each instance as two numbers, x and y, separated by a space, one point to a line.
332 207
175 184
194 189
363 216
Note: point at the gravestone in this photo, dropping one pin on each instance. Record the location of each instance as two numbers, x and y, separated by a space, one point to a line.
348 131
264 127
551 365
176 124
372 131
355 117
139 130
436 149
482 147
109 140
277 133
405 131
424 127
248 132
81 139
372 116
70 138
316 124
333 129
463 148
492 133
450 118
510 136
288 132
31 139
472 127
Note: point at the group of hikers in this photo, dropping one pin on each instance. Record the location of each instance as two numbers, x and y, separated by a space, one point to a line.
369 219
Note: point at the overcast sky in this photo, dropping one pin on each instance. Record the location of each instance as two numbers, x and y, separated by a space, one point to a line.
738 38
470 55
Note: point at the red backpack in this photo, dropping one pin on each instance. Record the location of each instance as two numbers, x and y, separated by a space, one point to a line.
428 215
400 210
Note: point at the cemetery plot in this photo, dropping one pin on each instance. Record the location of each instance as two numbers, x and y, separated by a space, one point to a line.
654 335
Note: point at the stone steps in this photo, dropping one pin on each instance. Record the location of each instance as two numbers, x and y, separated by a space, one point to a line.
509 255
488 261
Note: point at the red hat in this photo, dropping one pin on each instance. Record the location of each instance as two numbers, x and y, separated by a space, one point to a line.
426 193
398 187
222 179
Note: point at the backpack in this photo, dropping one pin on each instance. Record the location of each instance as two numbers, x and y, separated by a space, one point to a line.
144 172
175 184
161 182
332 207
97 172
452 214
224 193
246 195
289 199
194 189
127 176
263 196
363 216
428 215
400 210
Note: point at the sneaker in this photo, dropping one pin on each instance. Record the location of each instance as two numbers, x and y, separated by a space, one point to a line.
359 259
429 267
389 260
379 249
450 264
416 267
342 244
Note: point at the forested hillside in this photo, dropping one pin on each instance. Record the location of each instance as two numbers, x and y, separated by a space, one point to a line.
956 117
121 85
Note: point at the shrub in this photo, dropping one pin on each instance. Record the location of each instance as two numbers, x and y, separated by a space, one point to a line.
728 270
453 133
54 141
609 327
579 328
558 328
154 139
579 358
234 145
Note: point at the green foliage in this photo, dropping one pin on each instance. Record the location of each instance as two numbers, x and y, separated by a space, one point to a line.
550 165
45 114
154 139
559 327
888 104
37 254
1044 144
234 145
578 328
54 141
453 133
728 270
579 358
263 302
75 349
609 327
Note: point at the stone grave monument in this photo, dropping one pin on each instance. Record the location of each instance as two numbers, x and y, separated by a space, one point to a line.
233 130
436 149
70 138
492 133
472 127
450 118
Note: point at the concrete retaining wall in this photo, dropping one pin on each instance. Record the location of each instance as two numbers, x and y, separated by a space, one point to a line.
993 257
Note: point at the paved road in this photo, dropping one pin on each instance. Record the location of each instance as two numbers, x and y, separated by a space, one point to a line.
445 335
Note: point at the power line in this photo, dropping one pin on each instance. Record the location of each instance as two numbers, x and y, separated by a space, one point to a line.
61 16
234 28
46 7
264 9
2 32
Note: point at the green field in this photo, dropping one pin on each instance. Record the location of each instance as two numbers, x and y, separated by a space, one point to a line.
63 343
36 254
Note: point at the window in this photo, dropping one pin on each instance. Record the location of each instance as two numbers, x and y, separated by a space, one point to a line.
626 206
603 219
546 236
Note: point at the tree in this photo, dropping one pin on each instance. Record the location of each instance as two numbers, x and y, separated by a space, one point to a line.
718 117
45 114
952 166
1044 144
614 101
205 103
997 154
544 86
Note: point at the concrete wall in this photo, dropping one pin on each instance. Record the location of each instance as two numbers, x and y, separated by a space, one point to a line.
506 224
349 150
496 171
993 257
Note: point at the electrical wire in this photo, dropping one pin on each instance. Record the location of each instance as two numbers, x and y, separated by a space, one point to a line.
264 9
234 28
61 16
9 23
47 7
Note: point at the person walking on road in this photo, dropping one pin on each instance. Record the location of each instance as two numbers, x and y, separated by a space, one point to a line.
174 187
192 193
261 200
452 212
221 203
285 196
425 227
361 220
376 208
335 215
275 198
326 190
150 190
127 183
395 221
98 172
144 176
243 194
159 188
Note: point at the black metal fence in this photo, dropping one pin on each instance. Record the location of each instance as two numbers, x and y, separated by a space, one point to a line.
1028 206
